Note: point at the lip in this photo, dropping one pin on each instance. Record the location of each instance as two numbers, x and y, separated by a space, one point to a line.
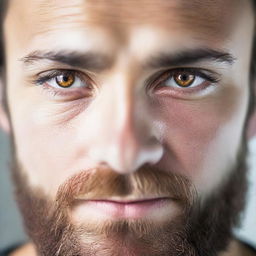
124 209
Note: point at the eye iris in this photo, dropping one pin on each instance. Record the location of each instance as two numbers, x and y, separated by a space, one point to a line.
65 80
184 79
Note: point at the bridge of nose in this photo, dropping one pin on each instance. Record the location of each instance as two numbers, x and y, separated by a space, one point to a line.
121 125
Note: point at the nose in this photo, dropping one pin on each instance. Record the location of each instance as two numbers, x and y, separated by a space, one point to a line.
124 136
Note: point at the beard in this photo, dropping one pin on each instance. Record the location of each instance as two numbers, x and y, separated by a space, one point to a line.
203 228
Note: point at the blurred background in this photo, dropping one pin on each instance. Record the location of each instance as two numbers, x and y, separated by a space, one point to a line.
11 231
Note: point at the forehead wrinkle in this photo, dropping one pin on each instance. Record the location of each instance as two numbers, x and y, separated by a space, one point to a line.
50 16
200 19
209 18
42 16
213 19
121 10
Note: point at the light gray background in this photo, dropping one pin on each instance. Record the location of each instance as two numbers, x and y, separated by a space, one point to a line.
10 223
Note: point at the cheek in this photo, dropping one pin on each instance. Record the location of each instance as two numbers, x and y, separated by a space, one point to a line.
45 143
202 138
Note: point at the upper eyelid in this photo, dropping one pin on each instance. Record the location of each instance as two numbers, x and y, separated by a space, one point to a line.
57 72
204 73
45 76
197 72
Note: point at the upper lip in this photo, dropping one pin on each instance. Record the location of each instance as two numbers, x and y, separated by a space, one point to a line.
124 200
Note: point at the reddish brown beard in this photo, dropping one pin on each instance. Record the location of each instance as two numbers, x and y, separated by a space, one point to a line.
200 230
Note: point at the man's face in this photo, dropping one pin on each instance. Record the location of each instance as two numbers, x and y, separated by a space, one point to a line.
97 90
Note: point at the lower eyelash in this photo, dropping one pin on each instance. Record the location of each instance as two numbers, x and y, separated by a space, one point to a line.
53 74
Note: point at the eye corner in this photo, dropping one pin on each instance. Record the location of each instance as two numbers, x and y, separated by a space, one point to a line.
202 77
76 85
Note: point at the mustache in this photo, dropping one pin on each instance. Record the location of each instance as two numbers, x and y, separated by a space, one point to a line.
104 183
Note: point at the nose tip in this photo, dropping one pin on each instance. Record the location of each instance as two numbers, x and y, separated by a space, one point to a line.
131 156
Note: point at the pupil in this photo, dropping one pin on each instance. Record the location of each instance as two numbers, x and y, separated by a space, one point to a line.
65 78
184 77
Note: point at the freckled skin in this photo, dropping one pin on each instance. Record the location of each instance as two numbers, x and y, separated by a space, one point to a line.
123 125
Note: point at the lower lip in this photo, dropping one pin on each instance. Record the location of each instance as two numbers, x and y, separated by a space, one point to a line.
124 210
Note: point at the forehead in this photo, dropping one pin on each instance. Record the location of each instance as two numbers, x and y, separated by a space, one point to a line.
209 19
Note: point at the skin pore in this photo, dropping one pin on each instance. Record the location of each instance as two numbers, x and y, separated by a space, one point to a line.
125 110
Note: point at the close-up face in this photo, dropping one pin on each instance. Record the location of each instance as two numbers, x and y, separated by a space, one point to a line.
115 104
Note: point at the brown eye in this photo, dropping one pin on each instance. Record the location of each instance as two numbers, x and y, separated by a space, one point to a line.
65 80
184 79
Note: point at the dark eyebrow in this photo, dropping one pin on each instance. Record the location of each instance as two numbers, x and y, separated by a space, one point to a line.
90 61
97 62
188 57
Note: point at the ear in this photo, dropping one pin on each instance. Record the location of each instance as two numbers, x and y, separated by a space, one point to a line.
251 129
4 121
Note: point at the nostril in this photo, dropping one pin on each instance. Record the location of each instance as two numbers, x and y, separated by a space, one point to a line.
126 162
151 155
127 156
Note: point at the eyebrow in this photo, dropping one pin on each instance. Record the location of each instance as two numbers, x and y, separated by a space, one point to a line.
188 57
90 60
98 62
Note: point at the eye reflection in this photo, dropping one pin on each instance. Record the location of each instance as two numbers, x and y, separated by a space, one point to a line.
65 80
184 79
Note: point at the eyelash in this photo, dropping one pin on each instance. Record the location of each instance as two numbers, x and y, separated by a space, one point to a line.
72 93
54 73
164 76
156 82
